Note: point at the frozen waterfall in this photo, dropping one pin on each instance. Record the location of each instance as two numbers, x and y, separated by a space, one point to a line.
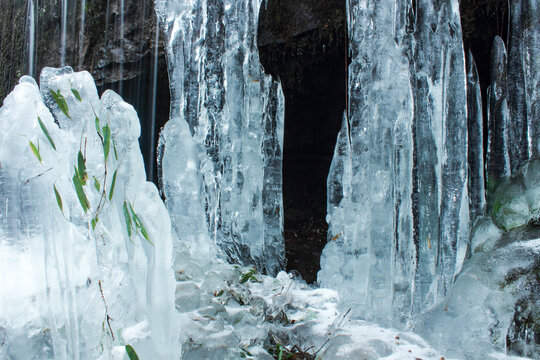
231 186
399 229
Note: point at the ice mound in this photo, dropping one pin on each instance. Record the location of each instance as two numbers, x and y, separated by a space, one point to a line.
494 303
85 241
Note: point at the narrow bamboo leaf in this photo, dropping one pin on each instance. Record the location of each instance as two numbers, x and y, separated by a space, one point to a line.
94 222
113 184
114 148
46 132
60 101
35 150
106 141
83 200
127 218
82 168
131 353
97 185
76 93
140 225
58 198
98 128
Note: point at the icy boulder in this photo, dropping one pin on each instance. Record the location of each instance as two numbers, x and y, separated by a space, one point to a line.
85 241
517 200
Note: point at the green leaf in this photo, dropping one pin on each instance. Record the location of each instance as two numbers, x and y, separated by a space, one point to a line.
94 222
140 226
58 198
106 141
131 353
83 200
35 150
46 132
248 276
97 185
127 218
114 148
76 93
82 168
60 101
113 184
98 128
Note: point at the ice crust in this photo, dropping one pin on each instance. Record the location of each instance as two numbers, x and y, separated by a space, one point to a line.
398 203
56 272
235 115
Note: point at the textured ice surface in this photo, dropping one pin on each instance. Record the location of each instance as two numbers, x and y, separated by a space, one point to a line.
475 142
235 116
61 277
523 80
494 303
497 159
398 207
517 200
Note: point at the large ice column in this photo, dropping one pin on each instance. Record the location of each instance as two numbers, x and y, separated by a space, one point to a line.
498 164
440 131
370 255
475 143
85 241
530 47
399 235
235 115
517 102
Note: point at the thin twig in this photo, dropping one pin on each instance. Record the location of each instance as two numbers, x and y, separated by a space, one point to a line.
107 317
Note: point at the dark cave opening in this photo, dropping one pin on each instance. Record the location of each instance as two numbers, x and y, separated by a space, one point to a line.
303 43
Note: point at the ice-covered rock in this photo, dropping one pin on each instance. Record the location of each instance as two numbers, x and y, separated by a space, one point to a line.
494 304
85 241
234 113
517 201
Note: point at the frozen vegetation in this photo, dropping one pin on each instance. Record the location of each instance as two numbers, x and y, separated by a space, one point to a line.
423 261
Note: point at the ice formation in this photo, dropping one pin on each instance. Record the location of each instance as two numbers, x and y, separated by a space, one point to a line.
494 303
475 142
87 269
234 113
398 207
85 241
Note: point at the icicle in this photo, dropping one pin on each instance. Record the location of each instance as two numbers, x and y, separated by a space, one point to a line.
477 200
517 142
530 42
498 161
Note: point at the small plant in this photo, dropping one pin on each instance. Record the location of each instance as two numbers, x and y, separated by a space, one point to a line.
249 276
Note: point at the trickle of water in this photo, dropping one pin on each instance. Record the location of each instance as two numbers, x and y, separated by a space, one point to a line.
121 86
63 36
81 33
154 99
31 19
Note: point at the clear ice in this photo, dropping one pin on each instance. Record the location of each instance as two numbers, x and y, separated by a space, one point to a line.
234 113
75 276
398 205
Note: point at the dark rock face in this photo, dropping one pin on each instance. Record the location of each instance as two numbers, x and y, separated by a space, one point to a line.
117 47
303 43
